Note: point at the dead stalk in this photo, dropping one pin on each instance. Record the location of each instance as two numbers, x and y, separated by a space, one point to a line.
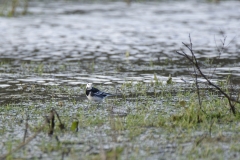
49 121
193 60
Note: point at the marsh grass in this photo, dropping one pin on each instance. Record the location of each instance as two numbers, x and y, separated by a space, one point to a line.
12 8
163 114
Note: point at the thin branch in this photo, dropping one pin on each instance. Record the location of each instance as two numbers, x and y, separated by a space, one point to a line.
194 61
48 121
24 143
26 129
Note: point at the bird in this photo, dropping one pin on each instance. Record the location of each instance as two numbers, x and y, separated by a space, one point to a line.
95 95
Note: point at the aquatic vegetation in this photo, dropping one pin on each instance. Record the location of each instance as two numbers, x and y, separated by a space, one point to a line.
197 70
149 115
50 55
13 7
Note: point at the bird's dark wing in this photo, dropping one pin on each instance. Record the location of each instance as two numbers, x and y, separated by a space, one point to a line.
96 92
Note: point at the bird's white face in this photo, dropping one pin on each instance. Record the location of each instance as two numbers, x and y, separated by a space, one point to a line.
89 86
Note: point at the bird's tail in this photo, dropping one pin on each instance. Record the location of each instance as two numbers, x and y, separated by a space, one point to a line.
112 95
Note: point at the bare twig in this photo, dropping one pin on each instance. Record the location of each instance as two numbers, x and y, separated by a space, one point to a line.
196 76
24 143
192 59
49 121
26 128
61 124
220 49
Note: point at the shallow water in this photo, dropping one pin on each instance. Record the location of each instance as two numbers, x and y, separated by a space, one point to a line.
110 44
